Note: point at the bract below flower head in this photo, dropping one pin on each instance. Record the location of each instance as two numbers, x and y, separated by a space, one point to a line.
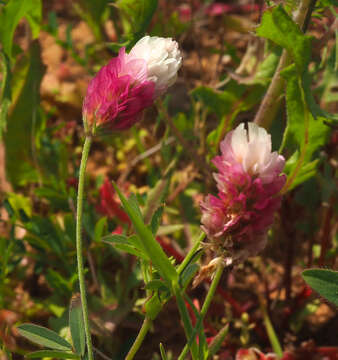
129 83
249 180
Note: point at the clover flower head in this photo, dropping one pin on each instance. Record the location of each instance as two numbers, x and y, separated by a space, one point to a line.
129 83
249 180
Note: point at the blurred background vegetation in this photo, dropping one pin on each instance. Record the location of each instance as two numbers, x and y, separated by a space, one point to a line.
49 52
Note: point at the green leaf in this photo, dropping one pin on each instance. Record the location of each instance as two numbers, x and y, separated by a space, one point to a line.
328 3
52 26
76 325
10 16
137 16
52 354
156 220
303 133
58 283
155 197
156 285
330 77
169 229
48 234
99 229
267 68
193 255
227 104
220 102
278 26
43 336
153 306
132 250
135 205
96 9
187 274
131 244
57 198
24 120
217 341
150 245
306 172
19 202
325 282
93 13
34 17
5 91
115 239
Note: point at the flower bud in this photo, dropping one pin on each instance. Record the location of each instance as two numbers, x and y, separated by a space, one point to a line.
249 180
129 83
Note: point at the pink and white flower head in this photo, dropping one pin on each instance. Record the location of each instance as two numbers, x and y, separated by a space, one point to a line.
249 180
129 83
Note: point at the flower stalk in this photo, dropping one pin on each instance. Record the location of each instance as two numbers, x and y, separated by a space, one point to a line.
205 307
140 337
79 252
147 322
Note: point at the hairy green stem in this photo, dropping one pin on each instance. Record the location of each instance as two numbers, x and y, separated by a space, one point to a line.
188 328
79 254
204 309
140 337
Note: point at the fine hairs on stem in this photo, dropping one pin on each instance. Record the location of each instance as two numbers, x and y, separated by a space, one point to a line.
79 250
205 307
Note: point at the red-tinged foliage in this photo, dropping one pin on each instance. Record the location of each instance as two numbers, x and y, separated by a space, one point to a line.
118 230
330 352
304 294
237 308
72 182
109 204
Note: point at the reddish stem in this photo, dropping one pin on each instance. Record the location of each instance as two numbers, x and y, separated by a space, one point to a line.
325 240
290 247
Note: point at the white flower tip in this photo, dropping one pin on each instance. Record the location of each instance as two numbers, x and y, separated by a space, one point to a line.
252 148
163 59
